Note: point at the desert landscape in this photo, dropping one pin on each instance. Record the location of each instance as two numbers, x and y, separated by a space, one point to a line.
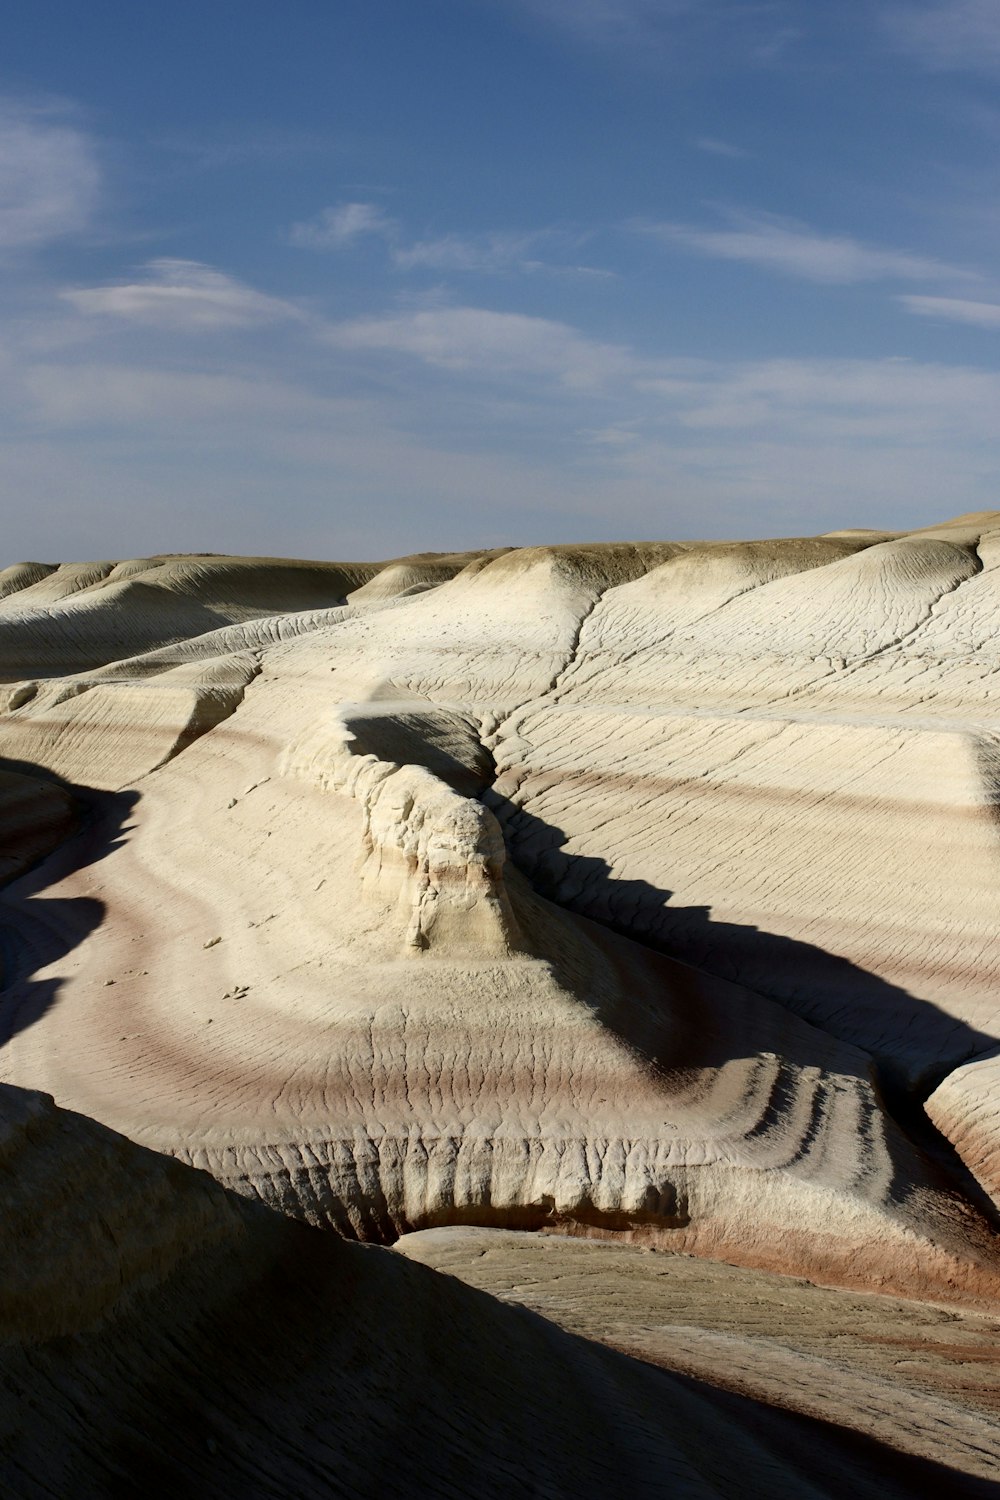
519 1022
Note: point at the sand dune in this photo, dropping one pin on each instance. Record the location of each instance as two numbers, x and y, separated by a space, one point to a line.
638 893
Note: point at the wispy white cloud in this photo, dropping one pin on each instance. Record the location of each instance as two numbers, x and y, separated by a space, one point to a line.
705 449
49 176
774 47
492 252
955 310
955 34
182 295
497 252
802 400
225 147
524 412
141 394
341 225
715 147
672 34
613 21
489 343
639 400
793 249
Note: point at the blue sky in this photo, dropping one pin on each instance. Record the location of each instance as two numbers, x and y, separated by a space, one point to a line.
358 278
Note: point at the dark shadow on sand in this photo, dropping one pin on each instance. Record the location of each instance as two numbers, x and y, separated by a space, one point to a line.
746 956
780 969
285 1362
36 931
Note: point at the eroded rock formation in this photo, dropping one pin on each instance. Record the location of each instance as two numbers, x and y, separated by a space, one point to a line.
637 893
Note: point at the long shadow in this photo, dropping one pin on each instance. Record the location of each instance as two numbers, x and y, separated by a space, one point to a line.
807 980
287 1345
85 643
36 932
790 973
281 1361
445 1351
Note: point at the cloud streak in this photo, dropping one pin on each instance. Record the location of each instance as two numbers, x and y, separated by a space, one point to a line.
494 252
337 227
802 400
790 248
715 147
184 296
630 22
682 449
489 344
669 34
522 411
955 310
957 35
49 177
497 252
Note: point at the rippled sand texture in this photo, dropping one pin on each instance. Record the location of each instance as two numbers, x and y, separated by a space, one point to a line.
641 894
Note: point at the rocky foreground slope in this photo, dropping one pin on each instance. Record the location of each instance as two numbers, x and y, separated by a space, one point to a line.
641 897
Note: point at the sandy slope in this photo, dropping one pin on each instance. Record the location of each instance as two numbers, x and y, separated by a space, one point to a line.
914 1376
158 1334
640 892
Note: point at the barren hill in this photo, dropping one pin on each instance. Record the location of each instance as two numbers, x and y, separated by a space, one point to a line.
631 900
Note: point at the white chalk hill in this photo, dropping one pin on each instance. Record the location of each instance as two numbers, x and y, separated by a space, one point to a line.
328 931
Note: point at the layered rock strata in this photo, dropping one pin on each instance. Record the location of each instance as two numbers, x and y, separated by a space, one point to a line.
339 953
158 1333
